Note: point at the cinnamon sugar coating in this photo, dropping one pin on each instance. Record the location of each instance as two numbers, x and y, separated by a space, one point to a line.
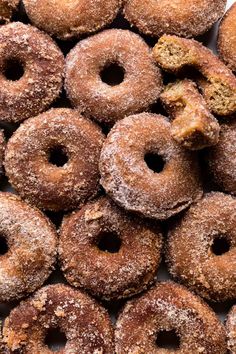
71 18
84 322
127 271
184 18
231 330
125 174
217 83
192 254
107 104
227 38
43 183
193 125
6 9
31 248
169 306
42 64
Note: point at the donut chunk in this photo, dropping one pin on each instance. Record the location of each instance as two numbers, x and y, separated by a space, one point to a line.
6 9
84 322
105 102
28 245
144 170
193 125
202 248
124 249
165 308
31 159
231 330
31 71
218 83
221 159
67 19
227 38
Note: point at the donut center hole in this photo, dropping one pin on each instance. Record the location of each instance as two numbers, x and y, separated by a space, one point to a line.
58 156
3 246
154 162
220 245
112 74
55 340
168 340
14 69
109 242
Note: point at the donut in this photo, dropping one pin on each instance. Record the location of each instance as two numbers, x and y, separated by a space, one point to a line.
125 250
145 171
184 18
201 251
6 9
227 38
84 322
193 125
220 159
31 71
28 244
169 308
39 176
231 330
66 20
217 82
124 53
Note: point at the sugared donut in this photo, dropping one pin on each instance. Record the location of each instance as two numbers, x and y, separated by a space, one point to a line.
221 158
227 38
6 9
201 250
144 170
170 308
33 167
121 50
231 330
28 245
125 250
67 19
31 71
84 322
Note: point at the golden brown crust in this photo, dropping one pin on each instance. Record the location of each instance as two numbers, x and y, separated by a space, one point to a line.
231 330
218 83
43 65
32 244
190 254
127 178
227 38
110 275
142 79
71 18
6 9
86 324
193 125
42 183
184 18
169 306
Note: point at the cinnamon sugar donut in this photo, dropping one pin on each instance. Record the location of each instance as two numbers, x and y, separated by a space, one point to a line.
84 322
169 307
6 9
218 83
201 249
67 19
144 170
125 250
31 159
184 18
27 248
227 38
31 71
221 158
231 330
124 51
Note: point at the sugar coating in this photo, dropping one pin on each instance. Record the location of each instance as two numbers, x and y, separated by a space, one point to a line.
231 330
6 9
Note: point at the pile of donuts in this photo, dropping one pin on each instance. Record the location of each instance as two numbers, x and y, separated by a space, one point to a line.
116 119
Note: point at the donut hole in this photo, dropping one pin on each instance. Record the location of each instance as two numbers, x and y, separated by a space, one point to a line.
14 69
55 339
221 245
109 242
168 340
3 246
112 74
154 162
58 156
